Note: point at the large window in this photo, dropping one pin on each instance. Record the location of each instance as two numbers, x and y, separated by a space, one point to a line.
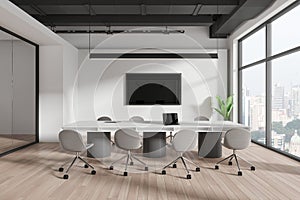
253 101
269 83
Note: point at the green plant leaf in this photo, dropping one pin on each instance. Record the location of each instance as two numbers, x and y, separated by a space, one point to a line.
219 111
229 101
219 101
225 107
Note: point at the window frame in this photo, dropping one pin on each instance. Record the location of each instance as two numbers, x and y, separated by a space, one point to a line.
268 76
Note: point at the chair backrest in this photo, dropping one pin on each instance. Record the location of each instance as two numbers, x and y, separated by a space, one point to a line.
184 140
136 119
104 118
127 139
201 118
71 140
237 139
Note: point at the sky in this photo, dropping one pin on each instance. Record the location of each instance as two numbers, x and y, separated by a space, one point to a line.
285 70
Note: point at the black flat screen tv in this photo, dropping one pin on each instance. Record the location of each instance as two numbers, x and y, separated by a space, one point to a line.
151 89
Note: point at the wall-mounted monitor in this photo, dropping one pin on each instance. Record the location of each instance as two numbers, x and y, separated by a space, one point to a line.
153 88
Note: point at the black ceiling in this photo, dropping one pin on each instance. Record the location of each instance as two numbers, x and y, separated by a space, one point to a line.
223 16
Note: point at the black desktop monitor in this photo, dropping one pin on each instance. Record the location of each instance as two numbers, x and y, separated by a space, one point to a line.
170 119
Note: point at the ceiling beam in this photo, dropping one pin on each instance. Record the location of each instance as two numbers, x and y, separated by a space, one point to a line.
125 20
126 2
248 9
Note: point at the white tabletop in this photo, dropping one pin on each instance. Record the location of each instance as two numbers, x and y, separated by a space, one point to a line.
205 126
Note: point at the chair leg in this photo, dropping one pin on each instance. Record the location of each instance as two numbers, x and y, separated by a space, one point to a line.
185 166
125 172
191 162
174 161
252 167
133 157
231 156
85 162
238 165
237 162
68 161
118 160
245 160
71 164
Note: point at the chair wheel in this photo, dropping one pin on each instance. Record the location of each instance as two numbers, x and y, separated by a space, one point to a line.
61 169
197 169
240 173
86 166
125 174
174 165
93 172
216 166
252 168
163 172
188 176
111 168
66 176
146 169
131 163
229 163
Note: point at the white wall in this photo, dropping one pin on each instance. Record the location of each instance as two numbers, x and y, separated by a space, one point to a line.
101 86
70 68
100 82
51 92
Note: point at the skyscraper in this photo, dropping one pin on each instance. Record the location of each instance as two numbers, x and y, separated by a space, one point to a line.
278 97
295 100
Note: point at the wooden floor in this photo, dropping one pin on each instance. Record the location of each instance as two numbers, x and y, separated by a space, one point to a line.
32 174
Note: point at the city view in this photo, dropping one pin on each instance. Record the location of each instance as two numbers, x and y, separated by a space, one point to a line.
285 117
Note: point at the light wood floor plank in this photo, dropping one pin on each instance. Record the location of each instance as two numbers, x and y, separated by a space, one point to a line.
31 174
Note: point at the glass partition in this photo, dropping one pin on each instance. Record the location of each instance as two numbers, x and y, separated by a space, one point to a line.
18 91
5 91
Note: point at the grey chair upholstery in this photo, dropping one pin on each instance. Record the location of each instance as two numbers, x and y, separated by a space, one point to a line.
104 118
136 119
128 139
72 141
183 141
201 118
236 139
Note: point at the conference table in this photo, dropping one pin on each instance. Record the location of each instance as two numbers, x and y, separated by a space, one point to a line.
154 135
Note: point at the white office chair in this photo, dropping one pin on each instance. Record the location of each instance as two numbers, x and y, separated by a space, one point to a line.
236 139
201 118
104 118
136 119
71 140
183 141
128 139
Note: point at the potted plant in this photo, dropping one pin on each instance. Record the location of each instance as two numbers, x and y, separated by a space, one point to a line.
225 107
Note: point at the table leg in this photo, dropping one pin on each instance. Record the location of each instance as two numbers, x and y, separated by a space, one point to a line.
154 144
102 144
209 144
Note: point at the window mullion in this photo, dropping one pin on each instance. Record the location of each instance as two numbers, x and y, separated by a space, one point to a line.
268 86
